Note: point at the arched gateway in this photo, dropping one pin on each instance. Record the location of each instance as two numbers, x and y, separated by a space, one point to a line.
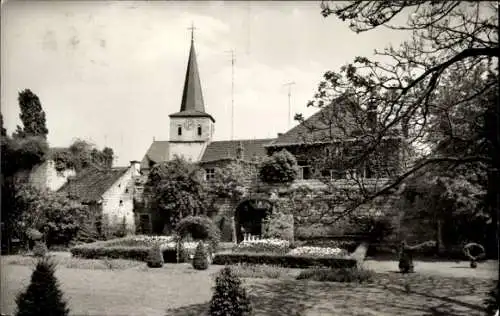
250 214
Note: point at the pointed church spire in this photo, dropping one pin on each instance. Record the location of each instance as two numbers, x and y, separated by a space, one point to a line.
192 96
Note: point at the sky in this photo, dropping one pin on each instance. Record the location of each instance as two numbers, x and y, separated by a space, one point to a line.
111 72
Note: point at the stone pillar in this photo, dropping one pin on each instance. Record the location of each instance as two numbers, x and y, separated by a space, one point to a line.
233 224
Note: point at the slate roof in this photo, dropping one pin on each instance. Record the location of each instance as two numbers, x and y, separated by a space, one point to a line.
252 148
192 103
90 184
159 151
319 128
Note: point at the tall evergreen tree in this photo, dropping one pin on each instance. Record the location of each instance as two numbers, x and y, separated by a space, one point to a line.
43 296
32 115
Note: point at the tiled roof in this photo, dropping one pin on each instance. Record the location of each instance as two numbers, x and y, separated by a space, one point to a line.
252 148
90 184
157 152
330 123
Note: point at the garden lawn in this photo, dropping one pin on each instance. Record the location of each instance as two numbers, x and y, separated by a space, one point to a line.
137 290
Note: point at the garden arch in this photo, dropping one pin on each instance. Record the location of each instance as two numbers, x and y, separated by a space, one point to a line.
250 214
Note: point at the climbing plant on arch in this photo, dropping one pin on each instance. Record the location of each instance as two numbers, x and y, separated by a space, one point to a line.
199 228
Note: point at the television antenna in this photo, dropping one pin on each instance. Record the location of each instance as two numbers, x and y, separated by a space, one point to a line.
289 85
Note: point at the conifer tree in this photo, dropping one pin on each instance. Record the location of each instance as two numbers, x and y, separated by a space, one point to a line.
43 296
200 261
230 298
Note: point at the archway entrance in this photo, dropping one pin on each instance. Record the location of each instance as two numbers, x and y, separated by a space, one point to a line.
249 216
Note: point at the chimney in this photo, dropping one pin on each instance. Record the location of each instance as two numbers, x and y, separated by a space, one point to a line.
371 117
239 151
136 167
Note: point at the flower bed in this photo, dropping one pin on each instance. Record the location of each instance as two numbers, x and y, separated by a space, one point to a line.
318 252
263 246
287 261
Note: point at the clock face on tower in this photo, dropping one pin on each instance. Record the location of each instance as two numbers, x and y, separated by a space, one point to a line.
189 124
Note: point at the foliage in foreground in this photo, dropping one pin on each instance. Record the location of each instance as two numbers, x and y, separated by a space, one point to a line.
230 297
351 275
43 296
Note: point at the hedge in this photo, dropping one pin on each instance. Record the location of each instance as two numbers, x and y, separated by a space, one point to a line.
286 261
97 252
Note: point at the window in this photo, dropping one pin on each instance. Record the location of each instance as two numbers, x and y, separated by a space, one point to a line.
199 130
304 173
121 202
179 130
210 174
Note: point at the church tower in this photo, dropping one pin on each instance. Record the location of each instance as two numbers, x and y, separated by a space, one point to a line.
191 129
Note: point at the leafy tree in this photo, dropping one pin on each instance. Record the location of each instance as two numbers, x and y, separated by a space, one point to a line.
32 115
281 167
177 190
406 86
17 154
108 156
52 213
82 154
2 129
229 182
43 296
230 297
451 206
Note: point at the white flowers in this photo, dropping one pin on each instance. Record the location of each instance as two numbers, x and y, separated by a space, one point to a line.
143 238
317 251
263 245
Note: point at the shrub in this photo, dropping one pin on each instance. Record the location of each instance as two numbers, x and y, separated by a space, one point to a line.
352 275
281 167
200 228
155 258
43 296
288 261
40 249
229 298
200 260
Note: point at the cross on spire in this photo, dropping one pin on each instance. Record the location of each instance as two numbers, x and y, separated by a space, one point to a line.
192 28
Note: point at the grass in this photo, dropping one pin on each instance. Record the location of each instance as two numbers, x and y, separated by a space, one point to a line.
178 289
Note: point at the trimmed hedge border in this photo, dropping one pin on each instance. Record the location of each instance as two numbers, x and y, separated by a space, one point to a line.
98 252
286 261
